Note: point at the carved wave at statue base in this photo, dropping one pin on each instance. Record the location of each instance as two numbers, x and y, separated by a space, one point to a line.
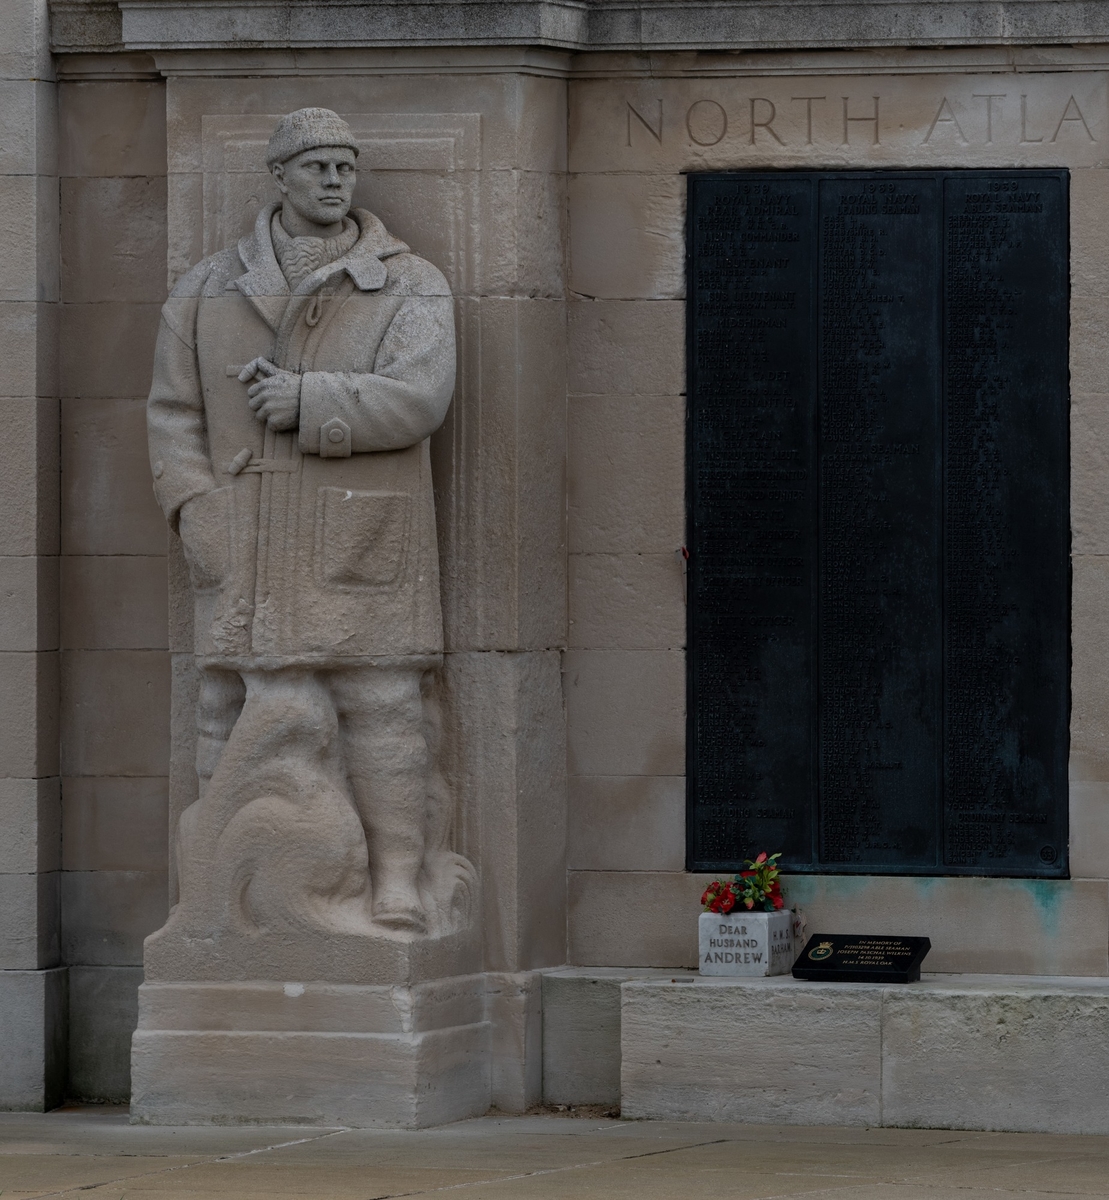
275 869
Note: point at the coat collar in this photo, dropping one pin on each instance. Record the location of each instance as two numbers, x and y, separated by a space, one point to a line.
265 285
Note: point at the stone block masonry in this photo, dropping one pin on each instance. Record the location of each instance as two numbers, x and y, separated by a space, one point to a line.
32 984
952 1052
535 153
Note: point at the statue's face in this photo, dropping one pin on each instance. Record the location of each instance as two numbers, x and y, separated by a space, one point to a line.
318 184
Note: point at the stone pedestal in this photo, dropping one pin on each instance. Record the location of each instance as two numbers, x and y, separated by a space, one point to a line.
311 1053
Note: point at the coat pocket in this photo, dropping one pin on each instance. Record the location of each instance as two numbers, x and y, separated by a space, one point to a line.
205 528
361 537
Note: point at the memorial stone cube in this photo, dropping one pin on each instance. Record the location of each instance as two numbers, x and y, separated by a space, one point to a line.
745 943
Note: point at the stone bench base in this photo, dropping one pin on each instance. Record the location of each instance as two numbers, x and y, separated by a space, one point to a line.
953 1051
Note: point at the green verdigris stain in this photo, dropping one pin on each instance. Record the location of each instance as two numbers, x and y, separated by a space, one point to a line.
809 889
1047 894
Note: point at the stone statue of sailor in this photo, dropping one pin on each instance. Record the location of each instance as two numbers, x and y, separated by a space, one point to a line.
298 378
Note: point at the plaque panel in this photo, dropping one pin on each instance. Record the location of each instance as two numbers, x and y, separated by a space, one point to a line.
878 523
878 605
1007 565
753 491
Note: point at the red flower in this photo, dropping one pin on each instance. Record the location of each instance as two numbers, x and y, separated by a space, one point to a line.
719 897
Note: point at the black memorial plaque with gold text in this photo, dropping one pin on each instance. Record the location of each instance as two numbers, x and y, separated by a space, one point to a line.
861 958
879 578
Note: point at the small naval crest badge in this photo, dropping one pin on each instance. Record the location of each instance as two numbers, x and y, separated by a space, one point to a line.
821 951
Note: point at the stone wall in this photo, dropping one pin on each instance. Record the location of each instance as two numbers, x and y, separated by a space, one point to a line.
32 988
549 187
114 662
631 137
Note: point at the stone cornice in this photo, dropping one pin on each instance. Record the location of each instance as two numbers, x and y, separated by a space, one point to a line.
575 25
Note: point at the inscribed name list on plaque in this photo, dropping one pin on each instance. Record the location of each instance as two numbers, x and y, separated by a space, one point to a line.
879 580
858 958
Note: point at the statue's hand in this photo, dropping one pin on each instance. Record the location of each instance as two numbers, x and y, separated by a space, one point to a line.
275 398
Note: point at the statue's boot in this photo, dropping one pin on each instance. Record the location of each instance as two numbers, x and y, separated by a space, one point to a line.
389 765
394 910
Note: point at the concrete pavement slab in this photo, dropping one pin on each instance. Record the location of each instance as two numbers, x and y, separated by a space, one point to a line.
96 1153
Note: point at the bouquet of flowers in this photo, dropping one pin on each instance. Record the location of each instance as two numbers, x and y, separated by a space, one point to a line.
719 897
756 888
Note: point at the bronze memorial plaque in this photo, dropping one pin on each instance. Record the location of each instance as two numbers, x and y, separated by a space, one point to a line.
878 484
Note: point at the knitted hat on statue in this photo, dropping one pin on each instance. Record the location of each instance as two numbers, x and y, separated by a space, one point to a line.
306 129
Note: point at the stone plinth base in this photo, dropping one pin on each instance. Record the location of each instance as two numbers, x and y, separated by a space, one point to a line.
228 955
311 1053
581 1031
33 1037
953 1051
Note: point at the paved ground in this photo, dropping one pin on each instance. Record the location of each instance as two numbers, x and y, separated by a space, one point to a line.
96 1153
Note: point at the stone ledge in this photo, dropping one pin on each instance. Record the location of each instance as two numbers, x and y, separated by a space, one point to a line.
85 25
574 24
875 1054
1027 1054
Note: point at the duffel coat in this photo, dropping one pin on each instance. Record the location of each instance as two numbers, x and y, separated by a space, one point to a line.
317 544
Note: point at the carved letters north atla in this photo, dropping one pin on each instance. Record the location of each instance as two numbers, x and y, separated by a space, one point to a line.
846 120
906 120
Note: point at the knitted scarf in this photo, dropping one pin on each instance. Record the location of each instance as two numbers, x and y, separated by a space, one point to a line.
298 257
